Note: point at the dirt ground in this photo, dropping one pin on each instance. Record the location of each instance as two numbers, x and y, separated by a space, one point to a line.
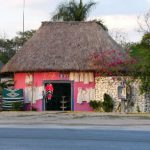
93 119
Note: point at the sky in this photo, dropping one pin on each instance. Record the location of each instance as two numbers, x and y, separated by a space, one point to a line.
117 15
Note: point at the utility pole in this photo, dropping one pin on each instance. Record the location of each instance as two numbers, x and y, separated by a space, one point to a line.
23 17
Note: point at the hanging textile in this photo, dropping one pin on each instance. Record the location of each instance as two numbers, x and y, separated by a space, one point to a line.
92 94
37 93
81 76
86 78
29 79
11 96
76 77
85 95
49 91
91 77
28 94
33 94
79 96
71 76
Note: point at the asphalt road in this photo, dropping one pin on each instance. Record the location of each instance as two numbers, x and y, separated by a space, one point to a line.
73 139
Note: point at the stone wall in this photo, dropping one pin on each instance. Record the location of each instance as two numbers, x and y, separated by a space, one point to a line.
147 102
110 85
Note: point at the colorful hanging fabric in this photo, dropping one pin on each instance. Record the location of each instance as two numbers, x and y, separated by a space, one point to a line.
49 91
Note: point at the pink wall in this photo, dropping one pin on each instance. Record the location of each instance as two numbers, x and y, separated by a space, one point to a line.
38 81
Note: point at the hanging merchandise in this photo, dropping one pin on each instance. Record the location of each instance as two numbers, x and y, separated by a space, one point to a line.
12 96
71 76
28 94
49 91
81 76
79 96
92 94
37 93
76 77
29 79
91 77
85 95
86 78
32 94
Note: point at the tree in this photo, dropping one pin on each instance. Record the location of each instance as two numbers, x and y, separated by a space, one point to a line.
8 47
120 37
112 62
73 11
144 23
101 23
141 52
21 37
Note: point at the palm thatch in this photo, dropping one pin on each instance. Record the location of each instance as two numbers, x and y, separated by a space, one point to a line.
61 46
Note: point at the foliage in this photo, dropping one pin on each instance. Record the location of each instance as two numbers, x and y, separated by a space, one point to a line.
112 61
21 37
101 23
108 103
73 11
141 52
17 106
121 38
8 47
96 105
137 63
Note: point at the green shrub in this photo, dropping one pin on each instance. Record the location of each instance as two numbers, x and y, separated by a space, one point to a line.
96 105
108 103
17 106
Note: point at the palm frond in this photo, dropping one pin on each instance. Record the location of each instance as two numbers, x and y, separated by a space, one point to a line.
87 8
72 11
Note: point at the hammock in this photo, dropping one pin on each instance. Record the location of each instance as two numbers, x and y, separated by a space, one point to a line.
9 97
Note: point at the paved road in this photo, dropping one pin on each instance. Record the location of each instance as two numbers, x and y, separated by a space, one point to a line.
72 139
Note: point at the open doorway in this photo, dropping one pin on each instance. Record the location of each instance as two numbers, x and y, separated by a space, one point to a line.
61 97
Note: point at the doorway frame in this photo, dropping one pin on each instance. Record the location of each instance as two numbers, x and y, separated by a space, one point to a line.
60 81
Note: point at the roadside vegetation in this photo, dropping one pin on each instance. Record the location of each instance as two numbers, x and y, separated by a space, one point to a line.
139 53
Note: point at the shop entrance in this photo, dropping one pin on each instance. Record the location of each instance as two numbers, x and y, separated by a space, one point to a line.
61 98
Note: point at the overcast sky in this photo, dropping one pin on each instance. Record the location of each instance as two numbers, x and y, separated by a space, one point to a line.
116 14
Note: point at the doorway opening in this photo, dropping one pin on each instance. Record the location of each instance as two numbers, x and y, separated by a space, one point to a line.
61 98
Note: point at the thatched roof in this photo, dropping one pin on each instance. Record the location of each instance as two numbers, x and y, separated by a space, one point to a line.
61 46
